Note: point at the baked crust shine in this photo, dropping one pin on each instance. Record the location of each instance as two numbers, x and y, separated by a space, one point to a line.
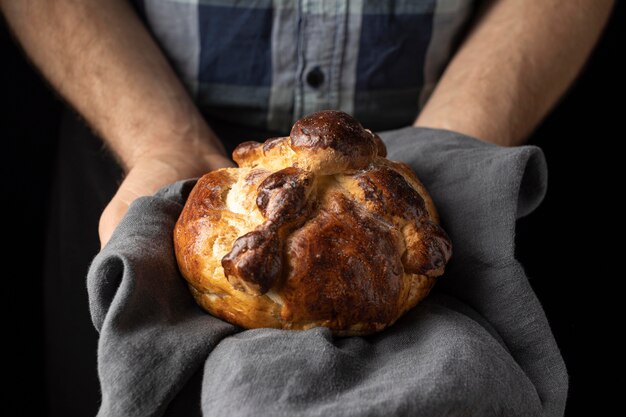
314 229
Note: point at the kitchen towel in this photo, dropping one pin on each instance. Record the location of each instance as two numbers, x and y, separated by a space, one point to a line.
478 345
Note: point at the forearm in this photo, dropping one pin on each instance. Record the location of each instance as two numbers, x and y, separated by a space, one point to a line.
517 61
99 56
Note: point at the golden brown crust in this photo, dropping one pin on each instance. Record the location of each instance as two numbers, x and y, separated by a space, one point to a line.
315 229
341 275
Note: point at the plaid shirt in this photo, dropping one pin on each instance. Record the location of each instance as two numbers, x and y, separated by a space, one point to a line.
266 63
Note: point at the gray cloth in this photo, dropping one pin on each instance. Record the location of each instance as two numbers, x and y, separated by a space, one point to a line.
479 345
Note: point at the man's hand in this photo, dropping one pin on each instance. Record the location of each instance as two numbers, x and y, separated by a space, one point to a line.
150 174
101 58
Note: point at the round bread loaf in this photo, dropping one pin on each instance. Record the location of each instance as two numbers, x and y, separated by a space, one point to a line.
314 229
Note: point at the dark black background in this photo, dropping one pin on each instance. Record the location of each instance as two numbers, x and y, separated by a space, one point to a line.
571 246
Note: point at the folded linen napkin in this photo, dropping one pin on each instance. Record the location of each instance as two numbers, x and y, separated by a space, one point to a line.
479 345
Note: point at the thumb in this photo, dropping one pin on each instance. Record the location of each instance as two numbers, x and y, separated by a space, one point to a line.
130 189
112 215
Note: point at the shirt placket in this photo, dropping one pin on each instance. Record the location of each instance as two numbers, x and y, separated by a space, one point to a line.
321 43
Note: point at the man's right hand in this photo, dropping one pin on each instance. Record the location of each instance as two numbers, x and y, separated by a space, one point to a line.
149 174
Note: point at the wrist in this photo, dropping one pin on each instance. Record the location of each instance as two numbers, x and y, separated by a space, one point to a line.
473 122
199 151
170 165
174 137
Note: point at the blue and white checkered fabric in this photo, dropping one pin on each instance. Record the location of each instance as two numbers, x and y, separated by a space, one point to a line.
266 63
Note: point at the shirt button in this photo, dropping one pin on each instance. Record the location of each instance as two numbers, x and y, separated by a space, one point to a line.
315 77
